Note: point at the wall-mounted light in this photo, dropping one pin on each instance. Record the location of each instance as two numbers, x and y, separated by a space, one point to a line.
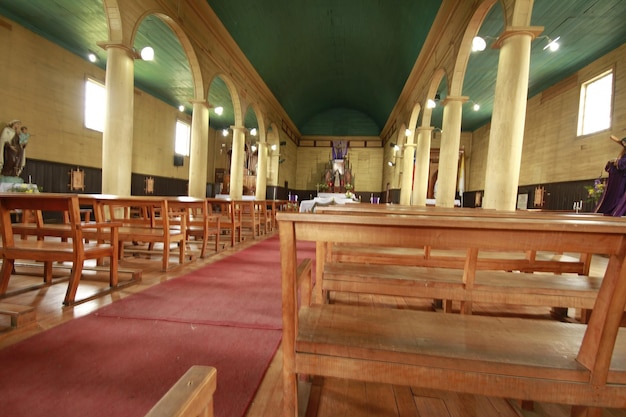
408 132
253 131
394 146
280 161
273 147
391 164
181 108
224 132
253 148
479 43
552 45
432 103
147 53
219 110
475 106
92 57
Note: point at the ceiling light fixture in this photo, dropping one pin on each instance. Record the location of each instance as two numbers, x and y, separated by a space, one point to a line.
219 110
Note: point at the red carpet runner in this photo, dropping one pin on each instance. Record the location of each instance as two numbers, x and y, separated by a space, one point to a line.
121 359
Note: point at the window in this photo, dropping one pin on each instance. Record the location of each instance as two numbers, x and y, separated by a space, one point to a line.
183 134
596 98
95 105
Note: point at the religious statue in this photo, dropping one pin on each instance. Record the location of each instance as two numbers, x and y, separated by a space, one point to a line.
340 150
13 141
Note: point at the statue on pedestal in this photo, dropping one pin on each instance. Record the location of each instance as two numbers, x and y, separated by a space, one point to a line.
13 141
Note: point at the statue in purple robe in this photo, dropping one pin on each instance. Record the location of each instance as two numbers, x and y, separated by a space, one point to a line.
613 200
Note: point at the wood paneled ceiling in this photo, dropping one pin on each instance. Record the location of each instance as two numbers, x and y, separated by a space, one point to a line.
336 66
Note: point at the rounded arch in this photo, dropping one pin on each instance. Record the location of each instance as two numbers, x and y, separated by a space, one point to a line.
414 118
465 49
234 97
114 20
435 81
273 141
188 49
401 138
260 122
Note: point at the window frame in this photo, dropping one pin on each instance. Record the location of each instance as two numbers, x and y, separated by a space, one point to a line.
585 104
92 114
187 146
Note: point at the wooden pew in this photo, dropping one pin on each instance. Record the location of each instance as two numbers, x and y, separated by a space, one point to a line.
48 251
250 216
230 217
583 288
201 224
191 396
267 217
583 365
142 219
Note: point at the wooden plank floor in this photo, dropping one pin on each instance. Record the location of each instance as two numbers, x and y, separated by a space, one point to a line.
325 397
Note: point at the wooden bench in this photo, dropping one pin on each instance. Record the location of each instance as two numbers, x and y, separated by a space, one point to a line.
583 365
143 220
201 224
536 289
250 216
48 251
191 396
230 217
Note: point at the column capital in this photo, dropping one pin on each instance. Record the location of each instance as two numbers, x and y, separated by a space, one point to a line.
233 127
461 99
510 31
116 45
199 102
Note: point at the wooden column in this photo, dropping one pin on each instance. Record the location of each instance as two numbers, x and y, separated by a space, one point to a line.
199 149
236 163
422 164
509 115
117 138
407 171
449 151
261 174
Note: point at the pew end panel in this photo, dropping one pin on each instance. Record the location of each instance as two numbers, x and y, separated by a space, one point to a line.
57 242
191 396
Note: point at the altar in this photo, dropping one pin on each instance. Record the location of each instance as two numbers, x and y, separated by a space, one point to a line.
18 187
326 199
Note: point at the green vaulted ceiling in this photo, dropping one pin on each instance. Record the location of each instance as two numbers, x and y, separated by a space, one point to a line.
336 66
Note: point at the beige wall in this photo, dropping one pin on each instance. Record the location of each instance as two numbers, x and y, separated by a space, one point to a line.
552 152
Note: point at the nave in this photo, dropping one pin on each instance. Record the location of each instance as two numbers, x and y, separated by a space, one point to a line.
326 398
